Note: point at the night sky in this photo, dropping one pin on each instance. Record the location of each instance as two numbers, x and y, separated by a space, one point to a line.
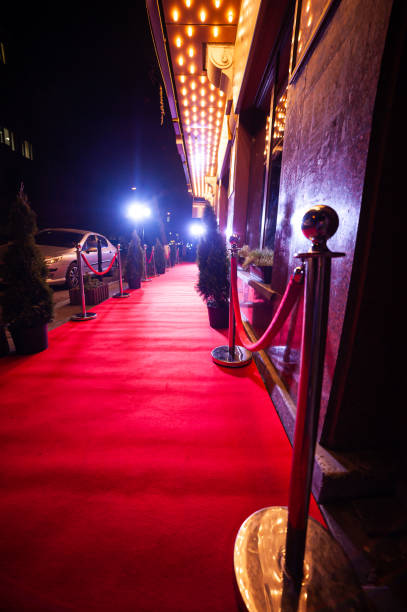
90 80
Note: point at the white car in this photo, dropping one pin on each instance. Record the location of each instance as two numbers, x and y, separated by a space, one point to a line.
58 246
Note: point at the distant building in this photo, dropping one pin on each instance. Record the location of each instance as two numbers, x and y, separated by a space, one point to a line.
17 153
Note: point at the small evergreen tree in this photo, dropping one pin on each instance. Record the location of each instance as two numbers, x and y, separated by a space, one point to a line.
27 301
159 255
213 283
134 261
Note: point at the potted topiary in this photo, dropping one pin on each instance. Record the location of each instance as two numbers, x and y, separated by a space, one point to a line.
159 255
213 283
134 267
27 301
260 262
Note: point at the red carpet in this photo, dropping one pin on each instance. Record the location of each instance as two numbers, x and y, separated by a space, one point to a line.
129 461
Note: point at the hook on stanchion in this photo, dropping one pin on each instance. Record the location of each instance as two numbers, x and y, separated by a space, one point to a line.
283 559
232 355
82 316
121 294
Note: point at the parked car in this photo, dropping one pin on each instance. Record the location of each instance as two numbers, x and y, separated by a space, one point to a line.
58 246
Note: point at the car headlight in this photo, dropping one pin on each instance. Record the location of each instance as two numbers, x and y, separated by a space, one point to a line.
52 260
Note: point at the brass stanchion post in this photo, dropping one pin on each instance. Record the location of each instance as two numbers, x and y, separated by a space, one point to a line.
121 294
82 316
285 560
232 356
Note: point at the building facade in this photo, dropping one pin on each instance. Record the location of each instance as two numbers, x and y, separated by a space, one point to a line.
17 156
277 106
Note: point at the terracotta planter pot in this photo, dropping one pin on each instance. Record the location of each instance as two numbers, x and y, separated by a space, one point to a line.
218 315
29 340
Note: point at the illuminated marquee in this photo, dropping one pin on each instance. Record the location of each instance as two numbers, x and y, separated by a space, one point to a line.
191 26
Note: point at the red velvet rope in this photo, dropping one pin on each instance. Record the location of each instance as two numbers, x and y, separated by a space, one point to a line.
151 256
93 269
291 295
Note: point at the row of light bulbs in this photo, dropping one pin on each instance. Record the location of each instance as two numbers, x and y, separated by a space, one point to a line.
201 107
202 13
279 120
279 123
189 30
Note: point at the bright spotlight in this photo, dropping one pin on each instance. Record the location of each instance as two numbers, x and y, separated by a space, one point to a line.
197 229
138 211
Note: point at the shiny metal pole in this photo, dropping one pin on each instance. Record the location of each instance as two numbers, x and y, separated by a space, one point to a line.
285 560
121 294
232 356
82 316
319 224
145 279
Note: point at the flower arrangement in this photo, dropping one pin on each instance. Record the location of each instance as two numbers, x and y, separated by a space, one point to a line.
91 282
256 257
95 291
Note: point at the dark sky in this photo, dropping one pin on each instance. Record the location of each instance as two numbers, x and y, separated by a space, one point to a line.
90 80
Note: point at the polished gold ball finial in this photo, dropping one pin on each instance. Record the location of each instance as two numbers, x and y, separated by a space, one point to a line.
319 224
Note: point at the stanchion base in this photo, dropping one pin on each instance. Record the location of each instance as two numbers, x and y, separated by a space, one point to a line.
146 280
222 356
121 295
84 317
329 583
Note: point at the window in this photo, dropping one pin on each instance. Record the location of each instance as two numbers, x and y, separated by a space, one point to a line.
26 149
7 138
275 141
103 241
60 238
91 243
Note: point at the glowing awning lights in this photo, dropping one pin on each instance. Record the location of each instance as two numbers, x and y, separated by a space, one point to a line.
190 26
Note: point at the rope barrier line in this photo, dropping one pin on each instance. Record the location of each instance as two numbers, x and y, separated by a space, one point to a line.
292 293
95 271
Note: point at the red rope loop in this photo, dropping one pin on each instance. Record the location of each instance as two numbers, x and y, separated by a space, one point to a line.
291 295
95 271
151 256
